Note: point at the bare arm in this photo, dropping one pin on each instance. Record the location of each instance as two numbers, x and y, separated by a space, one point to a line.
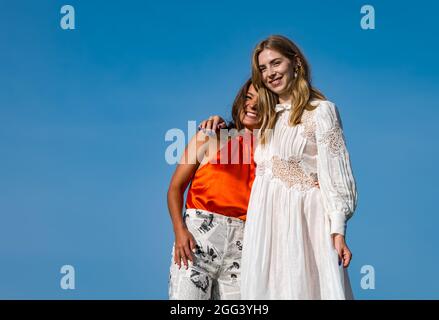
188 165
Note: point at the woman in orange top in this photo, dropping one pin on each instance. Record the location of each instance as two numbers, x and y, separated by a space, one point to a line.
208 237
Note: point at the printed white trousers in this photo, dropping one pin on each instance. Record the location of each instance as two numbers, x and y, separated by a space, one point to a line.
216 271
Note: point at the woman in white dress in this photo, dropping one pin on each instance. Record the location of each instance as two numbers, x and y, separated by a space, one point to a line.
294 240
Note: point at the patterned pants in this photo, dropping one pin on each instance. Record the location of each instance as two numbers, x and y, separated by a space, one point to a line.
216 272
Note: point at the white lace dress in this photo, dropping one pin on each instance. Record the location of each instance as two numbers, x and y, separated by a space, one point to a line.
287 249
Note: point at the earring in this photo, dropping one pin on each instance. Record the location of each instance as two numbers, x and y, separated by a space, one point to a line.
296 70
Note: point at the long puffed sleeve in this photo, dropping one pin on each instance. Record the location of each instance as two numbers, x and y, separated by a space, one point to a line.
334 170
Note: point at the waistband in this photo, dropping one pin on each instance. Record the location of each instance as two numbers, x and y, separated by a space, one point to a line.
202 214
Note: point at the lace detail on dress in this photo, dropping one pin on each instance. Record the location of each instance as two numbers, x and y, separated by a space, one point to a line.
292 174
309 126
333 139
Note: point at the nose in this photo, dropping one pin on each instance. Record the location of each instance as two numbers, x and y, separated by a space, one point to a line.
271 72
252 105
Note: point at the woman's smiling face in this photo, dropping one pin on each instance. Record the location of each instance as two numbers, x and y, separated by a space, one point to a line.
249 113
276 70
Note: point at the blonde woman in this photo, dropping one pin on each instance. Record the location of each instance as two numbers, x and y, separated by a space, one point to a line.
294 241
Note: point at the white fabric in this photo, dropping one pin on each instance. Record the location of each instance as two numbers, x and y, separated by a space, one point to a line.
287 250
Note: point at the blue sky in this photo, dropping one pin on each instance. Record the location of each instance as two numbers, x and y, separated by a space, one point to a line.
84 112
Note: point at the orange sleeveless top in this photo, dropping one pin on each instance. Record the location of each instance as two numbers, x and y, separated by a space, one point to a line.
223 186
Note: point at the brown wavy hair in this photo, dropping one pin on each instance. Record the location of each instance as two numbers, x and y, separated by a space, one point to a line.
301 90
238 105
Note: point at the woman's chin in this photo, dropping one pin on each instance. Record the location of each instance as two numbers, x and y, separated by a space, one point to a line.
250 125
278 89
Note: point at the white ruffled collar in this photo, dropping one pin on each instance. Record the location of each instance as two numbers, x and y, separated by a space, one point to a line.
287 105
282 106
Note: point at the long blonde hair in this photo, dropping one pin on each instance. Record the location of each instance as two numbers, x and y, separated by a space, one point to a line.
301 90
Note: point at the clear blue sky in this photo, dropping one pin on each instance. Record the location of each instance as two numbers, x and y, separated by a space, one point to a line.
83 116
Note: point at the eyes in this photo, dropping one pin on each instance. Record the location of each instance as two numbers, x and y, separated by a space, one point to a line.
251 97
274 63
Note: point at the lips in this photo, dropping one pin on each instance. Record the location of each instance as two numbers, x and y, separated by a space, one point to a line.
252 115
275 82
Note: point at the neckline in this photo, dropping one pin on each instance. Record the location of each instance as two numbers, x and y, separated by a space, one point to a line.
286 106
